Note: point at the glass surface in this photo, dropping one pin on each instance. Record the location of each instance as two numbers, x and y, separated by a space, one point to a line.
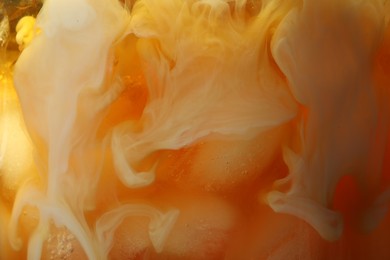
194 129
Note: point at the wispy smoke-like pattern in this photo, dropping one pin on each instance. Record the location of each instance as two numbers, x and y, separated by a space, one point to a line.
153 112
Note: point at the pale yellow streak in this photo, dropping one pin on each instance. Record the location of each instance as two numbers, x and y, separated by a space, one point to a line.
25 31
16 160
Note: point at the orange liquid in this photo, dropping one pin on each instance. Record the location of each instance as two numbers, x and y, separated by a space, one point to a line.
237 132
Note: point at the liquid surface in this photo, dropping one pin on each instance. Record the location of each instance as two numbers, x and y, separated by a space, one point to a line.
198 129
